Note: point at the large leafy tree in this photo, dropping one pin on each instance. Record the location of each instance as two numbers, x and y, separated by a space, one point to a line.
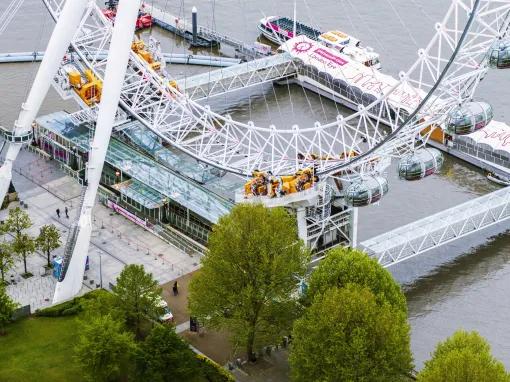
6 259
343 266
48 240
7 308
23 245
249 276
17 223
166 358
346 335
104 351
137 294
463 357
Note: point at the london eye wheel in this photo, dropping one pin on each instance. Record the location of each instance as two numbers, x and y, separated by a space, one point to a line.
388 115
388 118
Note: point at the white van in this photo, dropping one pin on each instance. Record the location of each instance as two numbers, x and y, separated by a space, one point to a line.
167 315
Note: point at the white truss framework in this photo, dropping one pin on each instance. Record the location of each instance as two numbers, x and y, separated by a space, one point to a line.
449 71
433 231
241 76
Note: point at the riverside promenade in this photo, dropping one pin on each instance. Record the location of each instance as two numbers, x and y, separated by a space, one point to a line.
115 242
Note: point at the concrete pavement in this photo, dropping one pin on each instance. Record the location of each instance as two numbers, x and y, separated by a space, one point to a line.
115 241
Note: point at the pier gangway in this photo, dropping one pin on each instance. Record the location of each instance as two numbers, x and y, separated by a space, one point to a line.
236 77
247 51
418 237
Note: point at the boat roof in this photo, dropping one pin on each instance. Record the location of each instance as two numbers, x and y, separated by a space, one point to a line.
335 37
287 24
496 135
362 53
341 67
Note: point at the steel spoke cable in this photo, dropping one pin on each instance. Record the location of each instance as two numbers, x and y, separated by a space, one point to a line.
8 15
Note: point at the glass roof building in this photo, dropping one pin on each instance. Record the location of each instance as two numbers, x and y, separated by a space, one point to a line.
157 182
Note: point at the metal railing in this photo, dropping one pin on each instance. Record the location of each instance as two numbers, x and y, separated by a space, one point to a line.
72 237
441 228
179 240
248 50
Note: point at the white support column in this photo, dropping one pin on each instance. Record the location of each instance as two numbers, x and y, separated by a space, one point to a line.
118 58
302 225
64 31
354 227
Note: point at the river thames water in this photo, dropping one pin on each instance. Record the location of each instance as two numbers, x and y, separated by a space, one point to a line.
462 285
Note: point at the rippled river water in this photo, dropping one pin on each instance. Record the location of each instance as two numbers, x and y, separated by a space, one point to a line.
463 285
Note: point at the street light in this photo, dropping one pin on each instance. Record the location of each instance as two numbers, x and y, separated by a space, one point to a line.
100 271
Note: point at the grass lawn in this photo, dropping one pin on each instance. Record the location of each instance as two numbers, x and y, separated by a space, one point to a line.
39 349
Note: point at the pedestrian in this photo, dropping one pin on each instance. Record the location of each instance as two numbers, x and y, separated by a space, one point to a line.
67 212
58 213
175 289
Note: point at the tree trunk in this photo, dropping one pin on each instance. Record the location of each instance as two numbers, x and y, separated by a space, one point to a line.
249 345
3 274
48 254
25 262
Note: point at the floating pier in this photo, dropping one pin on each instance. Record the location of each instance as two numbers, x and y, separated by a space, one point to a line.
200 36
181 27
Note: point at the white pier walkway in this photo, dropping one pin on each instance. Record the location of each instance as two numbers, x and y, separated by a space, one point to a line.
239 76
433 231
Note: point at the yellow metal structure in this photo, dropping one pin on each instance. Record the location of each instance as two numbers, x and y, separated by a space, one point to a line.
174 85
89 89
138 47
437 134
263 184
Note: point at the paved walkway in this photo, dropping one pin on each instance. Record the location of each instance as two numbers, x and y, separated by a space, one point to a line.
115 241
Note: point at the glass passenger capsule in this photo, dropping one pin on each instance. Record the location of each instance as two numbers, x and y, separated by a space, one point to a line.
423 162
365 191
468 118
499 54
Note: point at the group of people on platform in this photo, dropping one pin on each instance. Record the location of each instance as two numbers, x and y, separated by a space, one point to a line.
266 184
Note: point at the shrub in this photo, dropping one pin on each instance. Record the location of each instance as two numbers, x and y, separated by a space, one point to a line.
212 371
68 308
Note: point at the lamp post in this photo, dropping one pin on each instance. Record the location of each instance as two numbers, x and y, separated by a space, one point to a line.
100 271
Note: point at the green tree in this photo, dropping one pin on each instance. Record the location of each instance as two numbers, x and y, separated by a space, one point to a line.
463 357
6 259
165 357
343 266
7 308
248 281
17 222
346 335
48 240
104 351
104 303
23 245
137 295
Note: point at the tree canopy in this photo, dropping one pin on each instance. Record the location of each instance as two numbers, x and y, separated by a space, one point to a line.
17 221
248 281
346 335
165 357
48 240
7 308
104 350
23 244
6 259
343 266
137 294
463 357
